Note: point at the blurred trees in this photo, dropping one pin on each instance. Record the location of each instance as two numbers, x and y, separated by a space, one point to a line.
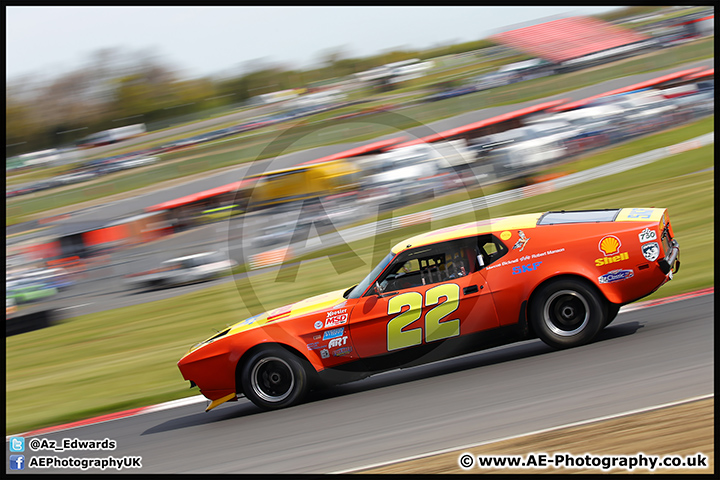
117 88
627 12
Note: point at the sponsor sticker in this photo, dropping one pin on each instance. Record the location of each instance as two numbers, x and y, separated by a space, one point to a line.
315 346
528 267
641 213
599 262
505 235
318 325
609 245
324 353
249 321
332 313
334 333
524 258
616 276
336 320
521 242
340 352
278 313
647 235
337 342
651 251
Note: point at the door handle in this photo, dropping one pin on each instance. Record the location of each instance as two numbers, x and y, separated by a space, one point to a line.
470 289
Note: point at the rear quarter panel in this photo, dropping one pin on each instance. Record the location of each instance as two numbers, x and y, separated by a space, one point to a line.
607 254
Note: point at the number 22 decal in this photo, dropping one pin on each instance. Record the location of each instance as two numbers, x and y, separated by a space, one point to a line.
640 213
434 330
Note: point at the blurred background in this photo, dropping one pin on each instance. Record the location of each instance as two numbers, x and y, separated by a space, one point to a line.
75 138
129 180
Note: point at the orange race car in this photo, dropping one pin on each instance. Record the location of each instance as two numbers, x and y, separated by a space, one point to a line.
560 276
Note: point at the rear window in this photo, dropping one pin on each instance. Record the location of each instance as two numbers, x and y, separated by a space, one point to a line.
588 216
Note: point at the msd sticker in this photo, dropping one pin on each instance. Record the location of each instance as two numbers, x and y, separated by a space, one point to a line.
336 318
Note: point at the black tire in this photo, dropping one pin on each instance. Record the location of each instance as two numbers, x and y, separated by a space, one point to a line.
274 378
567 313
612 311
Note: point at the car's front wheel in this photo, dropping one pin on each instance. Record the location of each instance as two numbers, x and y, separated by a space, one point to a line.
567 313
274 378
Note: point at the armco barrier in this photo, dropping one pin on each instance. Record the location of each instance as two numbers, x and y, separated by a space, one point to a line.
28 322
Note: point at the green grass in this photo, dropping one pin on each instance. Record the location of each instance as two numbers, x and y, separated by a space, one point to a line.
251 146
126 357
634 147
662 17
33 175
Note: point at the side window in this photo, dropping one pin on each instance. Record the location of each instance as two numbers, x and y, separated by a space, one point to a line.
430 265
491 249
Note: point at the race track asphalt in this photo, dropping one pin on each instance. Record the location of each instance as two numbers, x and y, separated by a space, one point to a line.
646 357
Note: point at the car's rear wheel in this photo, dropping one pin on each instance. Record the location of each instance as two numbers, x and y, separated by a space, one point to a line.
274 378
567 313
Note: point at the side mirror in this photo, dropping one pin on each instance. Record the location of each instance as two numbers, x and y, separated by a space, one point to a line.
377 289
481 262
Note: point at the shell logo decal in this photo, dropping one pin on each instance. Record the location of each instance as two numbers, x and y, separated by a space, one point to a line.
609 245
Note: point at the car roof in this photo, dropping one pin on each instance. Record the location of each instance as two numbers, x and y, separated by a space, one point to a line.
529 221
515 222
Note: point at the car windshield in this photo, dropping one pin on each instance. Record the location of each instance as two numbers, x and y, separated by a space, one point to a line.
362 286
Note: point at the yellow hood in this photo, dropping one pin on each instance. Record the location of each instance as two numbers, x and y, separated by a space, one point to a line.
325 301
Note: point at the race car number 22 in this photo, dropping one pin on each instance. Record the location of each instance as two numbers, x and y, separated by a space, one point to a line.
434 330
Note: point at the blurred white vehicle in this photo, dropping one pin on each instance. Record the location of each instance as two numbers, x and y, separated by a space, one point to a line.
451 154
526 148
280 233
137 162
199 267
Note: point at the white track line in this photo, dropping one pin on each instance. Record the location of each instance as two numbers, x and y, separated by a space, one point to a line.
75 306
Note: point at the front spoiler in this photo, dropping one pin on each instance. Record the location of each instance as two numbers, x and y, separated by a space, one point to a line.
220 401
